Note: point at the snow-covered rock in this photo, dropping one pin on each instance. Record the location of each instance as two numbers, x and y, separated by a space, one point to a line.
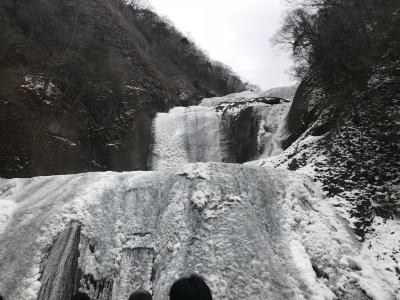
285 92
236 97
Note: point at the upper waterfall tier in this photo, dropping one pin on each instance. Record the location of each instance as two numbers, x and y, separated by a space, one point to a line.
237 130
185 135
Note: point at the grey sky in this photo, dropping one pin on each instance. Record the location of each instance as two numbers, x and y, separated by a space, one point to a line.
236 33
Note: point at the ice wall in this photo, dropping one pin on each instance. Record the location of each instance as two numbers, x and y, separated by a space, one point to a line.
185 135
253 233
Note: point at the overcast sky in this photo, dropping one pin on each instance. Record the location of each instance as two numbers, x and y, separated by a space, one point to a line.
236 33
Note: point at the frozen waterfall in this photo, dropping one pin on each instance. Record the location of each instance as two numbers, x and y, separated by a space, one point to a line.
252 232
185 135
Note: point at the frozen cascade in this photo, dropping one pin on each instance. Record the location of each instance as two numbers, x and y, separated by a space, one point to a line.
269 113
252 232
185 135
272 129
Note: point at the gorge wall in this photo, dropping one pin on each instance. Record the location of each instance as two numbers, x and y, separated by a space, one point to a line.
80 83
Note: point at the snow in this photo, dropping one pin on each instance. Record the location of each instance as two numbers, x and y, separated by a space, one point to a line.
285 92
135 88
318 239
34 82
370 264
39 84
282 159
192 171
65 140
382 256
236 97
280 92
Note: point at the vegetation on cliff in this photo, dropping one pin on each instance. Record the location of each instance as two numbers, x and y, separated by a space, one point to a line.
348 54
82 80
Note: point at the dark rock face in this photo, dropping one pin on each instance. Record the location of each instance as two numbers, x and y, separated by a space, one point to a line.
240 135
80 84
60 277
309 103
49 136
300 115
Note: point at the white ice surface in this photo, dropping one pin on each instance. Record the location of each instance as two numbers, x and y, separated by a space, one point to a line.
185 135
253 233
272 128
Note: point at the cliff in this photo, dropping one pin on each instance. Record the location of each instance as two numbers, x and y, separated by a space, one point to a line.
80 82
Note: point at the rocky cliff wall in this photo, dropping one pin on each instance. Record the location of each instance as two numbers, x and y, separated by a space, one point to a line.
80 83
